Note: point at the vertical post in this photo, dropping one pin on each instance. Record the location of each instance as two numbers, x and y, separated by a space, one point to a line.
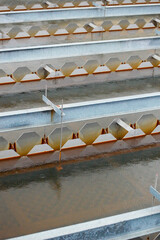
61 135
157 27
156 179
155 186
153 68
155 53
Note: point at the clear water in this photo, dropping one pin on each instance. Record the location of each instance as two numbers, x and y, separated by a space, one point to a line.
46 199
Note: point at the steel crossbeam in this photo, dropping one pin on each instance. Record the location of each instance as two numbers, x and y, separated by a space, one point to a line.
78 49
78 13
112 108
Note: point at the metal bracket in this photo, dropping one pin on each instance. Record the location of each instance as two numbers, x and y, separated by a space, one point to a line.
55 108
155 193
124 125
156 57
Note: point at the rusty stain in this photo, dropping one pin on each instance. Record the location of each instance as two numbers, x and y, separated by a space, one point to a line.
44 140
12 146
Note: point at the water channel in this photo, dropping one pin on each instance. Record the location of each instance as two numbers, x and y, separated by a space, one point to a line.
82 93
45 198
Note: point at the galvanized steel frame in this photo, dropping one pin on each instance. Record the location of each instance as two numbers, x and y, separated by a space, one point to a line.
132 107
78 13
78 49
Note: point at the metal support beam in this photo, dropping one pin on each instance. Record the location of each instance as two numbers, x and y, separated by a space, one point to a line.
156 22
156 57
110 108
78 13
48 69
78 49
120 227
124 125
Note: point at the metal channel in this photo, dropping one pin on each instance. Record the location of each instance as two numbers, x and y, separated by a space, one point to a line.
82 111
78 13
78 49
123 226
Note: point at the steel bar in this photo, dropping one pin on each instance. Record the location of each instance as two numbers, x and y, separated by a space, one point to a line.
156 57
124 125
78 49
48 102
78 13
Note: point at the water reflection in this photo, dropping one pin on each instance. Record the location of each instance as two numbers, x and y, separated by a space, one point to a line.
54 177
55 184
46 198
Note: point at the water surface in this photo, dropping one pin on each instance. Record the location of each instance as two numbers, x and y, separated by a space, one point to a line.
46 199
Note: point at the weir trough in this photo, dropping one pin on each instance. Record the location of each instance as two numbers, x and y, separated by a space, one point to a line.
78 49
112 108
78 13
119 121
